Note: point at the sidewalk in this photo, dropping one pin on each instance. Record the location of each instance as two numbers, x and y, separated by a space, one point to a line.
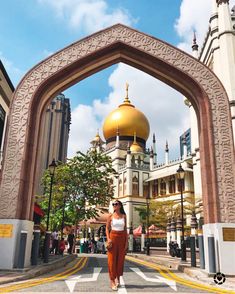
174 263
55 261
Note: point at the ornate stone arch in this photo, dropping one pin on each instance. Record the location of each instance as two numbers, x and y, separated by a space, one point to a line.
91 54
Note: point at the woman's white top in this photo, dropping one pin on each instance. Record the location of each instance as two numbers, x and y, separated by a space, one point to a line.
118 224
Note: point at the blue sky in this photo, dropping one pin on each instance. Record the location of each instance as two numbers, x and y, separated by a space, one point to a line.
31 30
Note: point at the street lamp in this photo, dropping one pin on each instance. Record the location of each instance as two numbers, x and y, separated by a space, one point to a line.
52 168
181 174
147 219
65 192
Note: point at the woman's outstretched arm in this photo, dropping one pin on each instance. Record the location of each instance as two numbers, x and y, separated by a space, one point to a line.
108 228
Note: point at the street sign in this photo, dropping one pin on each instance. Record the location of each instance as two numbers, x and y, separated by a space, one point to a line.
228 234
6 230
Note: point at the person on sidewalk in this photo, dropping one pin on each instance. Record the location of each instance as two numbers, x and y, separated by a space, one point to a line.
71 241
61 246
117 243
55 242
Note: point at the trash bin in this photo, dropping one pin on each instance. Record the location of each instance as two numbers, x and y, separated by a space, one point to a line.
82 248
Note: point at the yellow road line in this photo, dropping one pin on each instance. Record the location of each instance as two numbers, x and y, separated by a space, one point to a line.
78 266
166 273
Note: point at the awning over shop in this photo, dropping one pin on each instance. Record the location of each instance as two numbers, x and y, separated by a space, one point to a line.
137 231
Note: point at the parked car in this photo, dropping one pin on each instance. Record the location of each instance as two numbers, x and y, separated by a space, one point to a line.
100 247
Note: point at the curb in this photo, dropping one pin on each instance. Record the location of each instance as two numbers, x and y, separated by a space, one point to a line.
195 273
42 269
169 264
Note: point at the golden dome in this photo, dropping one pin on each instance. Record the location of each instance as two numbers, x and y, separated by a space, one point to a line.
127 120
135 147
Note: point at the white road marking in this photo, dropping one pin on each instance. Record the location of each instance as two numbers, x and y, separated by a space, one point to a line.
72 281
170 283
122 288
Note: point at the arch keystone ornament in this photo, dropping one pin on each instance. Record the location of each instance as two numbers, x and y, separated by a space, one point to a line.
82 59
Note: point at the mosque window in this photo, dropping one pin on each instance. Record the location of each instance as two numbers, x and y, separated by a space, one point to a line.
163 187
120 187
155 188
124 186
135 184
139 161
172 184
133 161
146 189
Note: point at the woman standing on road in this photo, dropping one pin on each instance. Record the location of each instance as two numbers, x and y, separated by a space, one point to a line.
117 243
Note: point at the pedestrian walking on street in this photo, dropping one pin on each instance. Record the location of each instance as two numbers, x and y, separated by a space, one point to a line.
117 243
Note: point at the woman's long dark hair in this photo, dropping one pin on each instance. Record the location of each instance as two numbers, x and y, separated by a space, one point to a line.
121 207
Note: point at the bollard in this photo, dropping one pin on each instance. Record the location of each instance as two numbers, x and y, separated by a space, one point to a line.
201 251
211 254
47 246
142 242
35 247
131 241
193 251
22 248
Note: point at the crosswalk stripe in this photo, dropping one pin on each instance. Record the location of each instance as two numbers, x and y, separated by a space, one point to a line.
122 288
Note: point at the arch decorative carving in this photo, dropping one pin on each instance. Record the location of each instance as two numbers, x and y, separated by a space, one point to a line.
213 101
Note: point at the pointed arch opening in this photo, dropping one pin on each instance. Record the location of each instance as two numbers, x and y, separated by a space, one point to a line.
90 55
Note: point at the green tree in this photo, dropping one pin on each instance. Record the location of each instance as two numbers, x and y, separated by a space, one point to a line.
192 204
86 181
159 212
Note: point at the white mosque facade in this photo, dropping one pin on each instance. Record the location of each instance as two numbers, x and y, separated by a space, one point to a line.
139 176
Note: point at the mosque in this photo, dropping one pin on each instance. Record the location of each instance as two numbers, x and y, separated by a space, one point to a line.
126 130
139 176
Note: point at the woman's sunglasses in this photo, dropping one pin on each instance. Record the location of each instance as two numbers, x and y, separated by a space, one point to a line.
115 204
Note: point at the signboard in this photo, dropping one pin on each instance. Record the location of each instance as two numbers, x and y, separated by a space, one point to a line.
228 234
6 231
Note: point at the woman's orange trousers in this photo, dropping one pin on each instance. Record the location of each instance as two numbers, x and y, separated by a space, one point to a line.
116 255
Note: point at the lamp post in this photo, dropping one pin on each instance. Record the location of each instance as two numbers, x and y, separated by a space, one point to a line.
52 168
147 219
63 211
180 174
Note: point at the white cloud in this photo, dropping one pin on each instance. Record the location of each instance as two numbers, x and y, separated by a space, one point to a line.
194 15
83 128
88 15
163 106
47 53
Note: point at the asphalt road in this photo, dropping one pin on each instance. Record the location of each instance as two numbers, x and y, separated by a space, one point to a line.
90 274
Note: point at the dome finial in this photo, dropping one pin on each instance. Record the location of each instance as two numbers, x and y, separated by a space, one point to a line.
134 137
135 147
126 100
